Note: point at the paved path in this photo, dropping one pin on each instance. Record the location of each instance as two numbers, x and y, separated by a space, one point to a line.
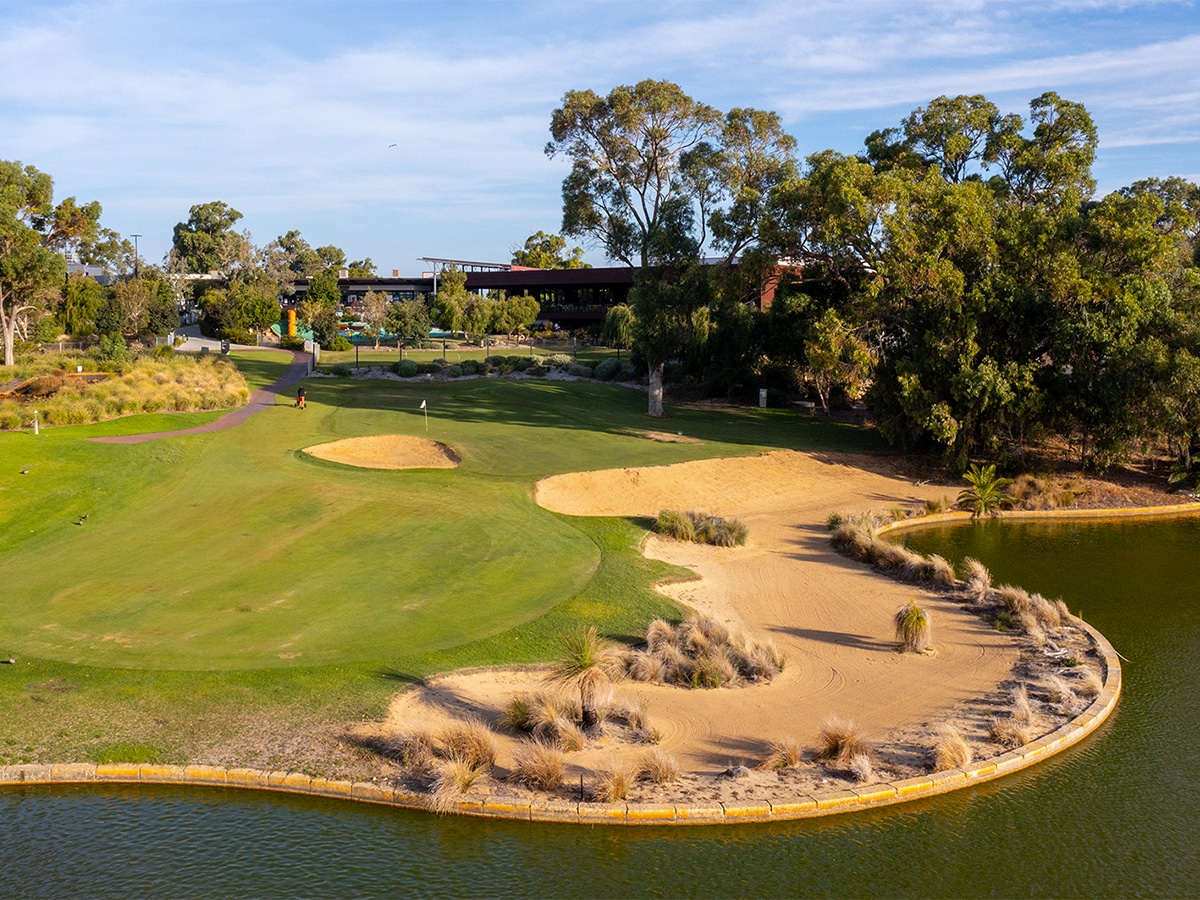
261 399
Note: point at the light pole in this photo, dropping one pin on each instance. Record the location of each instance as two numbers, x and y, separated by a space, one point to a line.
135 254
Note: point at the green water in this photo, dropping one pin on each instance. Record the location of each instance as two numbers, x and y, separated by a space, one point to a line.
1117 815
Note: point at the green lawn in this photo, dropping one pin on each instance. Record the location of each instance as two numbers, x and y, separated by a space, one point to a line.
227 579
367 355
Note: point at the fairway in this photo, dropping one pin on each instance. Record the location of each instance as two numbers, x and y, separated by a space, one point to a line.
234 550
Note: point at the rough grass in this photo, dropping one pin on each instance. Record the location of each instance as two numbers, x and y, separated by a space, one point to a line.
701 528
1088 682
455 777
470 741
702 652
1009 732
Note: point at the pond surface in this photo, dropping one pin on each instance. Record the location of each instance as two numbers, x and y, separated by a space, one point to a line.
1117 815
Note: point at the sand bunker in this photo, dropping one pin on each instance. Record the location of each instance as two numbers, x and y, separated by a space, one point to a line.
387 451
830 616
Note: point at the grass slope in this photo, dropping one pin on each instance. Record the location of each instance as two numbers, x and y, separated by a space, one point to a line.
227 593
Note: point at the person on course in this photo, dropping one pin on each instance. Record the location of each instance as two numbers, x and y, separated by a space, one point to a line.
300 404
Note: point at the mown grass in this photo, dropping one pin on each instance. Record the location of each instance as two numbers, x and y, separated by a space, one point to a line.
227 594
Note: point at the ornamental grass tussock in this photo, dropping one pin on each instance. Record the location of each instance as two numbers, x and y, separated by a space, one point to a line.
658 766
786 753
703 652
840 741
701 528
613 782
539 765
914 630
950 749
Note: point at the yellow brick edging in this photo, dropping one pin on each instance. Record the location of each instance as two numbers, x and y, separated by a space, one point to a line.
1191 508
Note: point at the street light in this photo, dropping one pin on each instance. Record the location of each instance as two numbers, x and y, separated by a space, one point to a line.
135 254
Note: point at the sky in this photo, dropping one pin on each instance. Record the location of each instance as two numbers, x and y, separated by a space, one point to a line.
398 130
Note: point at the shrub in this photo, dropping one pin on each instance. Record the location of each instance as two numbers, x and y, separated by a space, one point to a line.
861 768
291 342
658 766
342 370
613 783
913 628
470 367
242 336
537 371
579 371
950 750
406 368
1019 709
607 369
340 345
494 362
454 371
558 360
835 521
647 667
539 765
939 571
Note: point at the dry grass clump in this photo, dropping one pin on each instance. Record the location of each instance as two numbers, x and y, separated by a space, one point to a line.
658 766
470 741
861 767
550 717
1014 599
1044 492
1059 692
1089 684
1009 732
1019 708
840 741
950 750
856 537
613 782
913 628
786 753
977 581
1064 613
939 571
539 765
701 528
455 777
702 652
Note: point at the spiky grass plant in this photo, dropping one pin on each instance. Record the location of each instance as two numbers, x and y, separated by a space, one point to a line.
658 766
1015 599
730 533
587 662
1047 613
1009 732
613 782
1064 613
471 741
786 753
950 749
539 765
762 662
840 740
914 630
713 669
716 632
835 521
518 714
566 734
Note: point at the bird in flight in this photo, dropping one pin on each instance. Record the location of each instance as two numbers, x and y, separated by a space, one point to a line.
390 146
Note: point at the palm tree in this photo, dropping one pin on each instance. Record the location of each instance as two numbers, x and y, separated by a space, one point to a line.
986 493
588 662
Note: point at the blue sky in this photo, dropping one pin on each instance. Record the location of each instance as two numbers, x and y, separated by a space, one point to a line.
286 110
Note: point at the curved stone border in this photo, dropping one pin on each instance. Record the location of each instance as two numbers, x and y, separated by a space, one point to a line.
1028 515
796 807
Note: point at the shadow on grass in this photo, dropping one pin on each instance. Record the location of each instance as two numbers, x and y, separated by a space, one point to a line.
588 406
398 677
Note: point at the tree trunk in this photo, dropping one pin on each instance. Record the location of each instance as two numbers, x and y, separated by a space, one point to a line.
656 390
9 328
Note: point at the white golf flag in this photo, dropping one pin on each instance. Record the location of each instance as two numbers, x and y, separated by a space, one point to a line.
422 404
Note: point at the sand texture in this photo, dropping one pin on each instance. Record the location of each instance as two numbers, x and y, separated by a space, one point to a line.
830 616
387 451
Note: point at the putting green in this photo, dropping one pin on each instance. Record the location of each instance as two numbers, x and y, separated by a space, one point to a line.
233 550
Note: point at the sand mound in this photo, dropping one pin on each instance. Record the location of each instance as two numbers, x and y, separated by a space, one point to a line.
387 451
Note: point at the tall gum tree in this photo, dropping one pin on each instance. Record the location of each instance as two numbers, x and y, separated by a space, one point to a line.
651 171
33 234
